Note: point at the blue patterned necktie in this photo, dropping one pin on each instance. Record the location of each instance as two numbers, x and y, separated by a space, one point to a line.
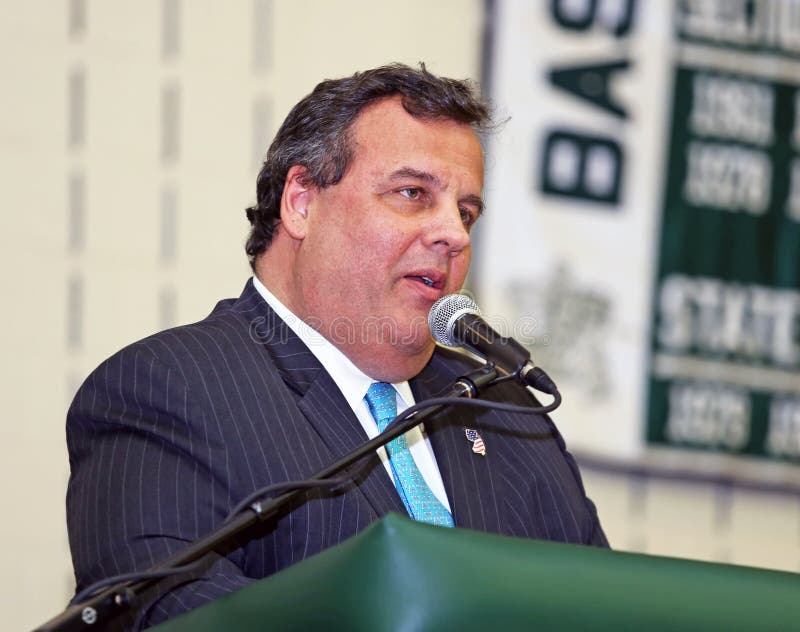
421 503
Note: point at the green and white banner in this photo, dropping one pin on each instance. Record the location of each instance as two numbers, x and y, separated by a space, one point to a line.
642 235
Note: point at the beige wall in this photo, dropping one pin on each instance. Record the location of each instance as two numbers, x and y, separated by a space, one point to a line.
129 144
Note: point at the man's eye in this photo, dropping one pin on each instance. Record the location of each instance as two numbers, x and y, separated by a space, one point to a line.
412 193
467 217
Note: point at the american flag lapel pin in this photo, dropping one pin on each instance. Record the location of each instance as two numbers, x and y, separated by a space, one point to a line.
478 447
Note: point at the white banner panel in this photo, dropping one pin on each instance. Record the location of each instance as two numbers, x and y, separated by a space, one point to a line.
573 192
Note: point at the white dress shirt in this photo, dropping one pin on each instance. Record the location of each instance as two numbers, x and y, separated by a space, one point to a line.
353 384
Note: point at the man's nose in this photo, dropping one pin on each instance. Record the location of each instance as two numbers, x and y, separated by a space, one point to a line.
447 230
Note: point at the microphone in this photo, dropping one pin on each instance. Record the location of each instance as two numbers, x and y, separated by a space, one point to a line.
456 321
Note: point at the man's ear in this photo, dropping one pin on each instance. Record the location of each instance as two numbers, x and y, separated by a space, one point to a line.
294 203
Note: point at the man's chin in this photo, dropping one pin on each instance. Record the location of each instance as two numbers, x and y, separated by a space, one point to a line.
418 342
400 368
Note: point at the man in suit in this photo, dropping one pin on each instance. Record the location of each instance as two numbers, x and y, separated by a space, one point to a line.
364 208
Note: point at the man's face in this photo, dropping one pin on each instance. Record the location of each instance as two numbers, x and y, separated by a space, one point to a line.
390 238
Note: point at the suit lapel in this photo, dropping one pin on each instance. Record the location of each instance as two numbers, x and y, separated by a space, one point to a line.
472 481
319 399
334 421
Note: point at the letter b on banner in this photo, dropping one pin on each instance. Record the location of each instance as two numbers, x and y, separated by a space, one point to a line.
582 166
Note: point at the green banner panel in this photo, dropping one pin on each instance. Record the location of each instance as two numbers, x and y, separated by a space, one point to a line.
725 362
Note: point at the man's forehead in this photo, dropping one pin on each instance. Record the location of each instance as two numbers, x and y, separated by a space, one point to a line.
385 128
388 113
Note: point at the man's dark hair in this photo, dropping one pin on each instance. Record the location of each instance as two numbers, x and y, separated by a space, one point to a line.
316 133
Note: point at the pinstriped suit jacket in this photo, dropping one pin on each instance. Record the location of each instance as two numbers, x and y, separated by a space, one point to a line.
171 432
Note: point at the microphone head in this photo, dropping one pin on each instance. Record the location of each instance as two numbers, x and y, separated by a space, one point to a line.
443 316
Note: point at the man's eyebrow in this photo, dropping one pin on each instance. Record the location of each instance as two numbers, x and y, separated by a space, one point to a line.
410 172
426 176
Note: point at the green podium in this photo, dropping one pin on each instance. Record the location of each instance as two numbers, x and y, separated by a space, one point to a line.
403 575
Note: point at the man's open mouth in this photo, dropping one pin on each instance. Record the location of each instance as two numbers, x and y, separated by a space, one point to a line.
430 280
